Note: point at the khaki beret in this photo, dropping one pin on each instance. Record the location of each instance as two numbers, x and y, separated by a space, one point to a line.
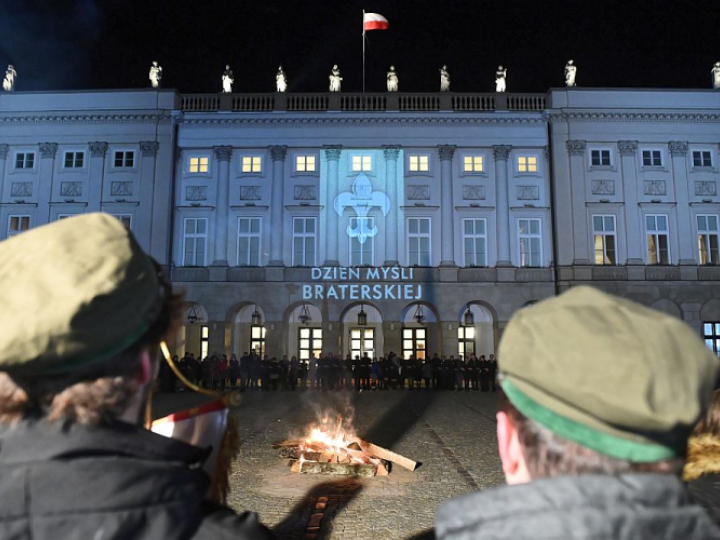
75 292
607 373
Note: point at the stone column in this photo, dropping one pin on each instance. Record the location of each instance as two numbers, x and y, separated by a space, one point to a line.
332 155
576 150
223 154
47 167
678 153
392 220
278 154
98 151
143 231
633 235
3 158
502 204
447 210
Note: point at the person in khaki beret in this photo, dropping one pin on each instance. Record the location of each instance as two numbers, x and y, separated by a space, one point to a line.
601 396
84 311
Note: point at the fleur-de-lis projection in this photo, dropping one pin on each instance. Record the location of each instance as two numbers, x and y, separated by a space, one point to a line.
362 199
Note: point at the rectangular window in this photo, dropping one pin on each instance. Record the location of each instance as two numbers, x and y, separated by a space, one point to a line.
198 165
249 241
656 229
361 163
25 160
125 219
707 226
362 342
475 242
257 340
466 341
530 240
527 163
304 241
195 241
419 163
18 224
474 164
600 158
652 158
711 335
362 245
414 341
702 158
74 160
309 342
419 242
204 341
64 216
305 163
604 239
124 158
252 164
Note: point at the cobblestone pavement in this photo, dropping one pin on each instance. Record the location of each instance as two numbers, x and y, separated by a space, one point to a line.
452 434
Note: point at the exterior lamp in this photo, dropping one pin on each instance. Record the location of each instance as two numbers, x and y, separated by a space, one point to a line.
419 314
469 318
362 317
256 317
194 315
304 315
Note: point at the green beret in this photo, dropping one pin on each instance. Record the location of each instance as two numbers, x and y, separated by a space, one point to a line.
75 293
607 373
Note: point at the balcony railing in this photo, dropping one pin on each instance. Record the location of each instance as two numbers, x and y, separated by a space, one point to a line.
352 102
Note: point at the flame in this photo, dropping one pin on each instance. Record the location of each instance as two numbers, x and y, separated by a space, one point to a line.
332 436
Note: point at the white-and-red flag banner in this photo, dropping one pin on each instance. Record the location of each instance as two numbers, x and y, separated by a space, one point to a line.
374 21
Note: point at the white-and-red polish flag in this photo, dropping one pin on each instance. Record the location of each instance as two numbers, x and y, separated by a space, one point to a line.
374 21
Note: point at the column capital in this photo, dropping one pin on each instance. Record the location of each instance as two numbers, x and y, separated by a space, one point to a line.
278 153
627 148
48 149
4 150
98 148
446 151
575 147
501 152
332 153
678 148
149 148
223 153
392 152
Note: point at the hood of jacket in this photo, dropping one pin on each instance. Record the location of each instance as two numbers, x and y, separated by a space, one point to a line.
703 456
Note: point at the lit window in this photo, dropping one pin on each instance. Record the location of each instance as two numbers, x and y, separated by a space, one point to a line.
652 158
419 163
18 224
362 342
74 160
527 163
124 158
474 242
419 242
310 342
304 240
656 229
257 340
711 335
600 158
204 341
474 164
604 239
305 163
198 165
195 241
530 240
251 164
414 343
361 163
24 160
708 239
702 158
466 341
249 241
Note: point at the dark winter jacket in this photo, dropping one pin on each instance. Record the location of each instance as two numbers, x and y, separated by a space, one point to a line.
115 482
634 506
702 473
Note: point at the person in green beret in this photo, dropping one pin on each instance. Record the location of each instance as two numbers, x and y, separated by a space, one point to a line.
84 312
601 396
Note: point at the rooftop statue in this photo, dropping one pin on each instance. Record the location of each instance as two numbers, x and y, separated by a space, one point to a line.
392 80
715 75
281 80
227 79
9 80
155 75
500 75
570 72
335 79
444 80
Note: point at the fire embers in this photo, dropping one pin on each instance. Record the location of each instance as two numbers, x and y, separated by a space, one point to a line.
331 448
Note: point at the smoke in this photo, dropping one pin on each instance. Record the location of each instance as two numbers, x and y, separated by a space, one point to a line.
49 43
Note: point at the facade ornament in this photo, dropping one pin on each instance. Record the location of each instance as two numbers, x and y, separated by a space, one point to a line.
335 79
4 150
149 148
627 148
362 199
227 80
715 71
48 149
278 153
602 187
473 193
71 189
223 153
570 72
705 188
391 153
654 187
576 147
501 152
678 148
196 193
392 80
444 80
332 153
446 152
500 82
280 80
418 193
121 189
305 193
98 149
250 193
9 80
155 75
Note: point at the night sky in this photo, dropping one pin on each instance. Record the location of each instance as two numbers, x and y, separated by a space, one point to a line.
93 44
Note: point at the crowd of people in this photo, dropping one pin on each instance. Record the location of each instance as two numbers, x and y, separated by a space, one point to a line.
332 372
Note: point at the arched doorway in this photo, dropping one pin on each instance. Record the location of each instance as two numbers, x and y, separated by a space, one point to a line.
305 333
476 331
419 331
249 330
362 331
194 335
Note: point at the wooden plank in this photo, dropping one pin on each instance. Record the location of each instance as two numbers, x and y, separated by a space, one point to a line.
384 453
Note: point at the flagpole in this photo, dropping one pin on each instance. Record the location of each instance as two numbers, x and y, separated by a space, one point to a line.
363 38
